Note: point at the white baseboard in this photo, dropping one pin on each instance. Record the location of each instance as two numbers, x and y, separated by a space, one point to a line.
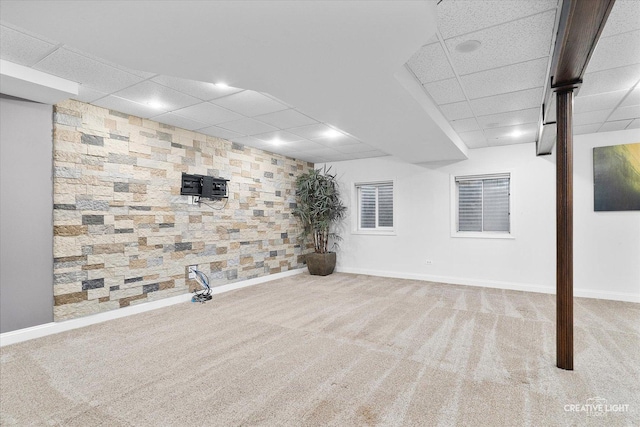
526 287
25 334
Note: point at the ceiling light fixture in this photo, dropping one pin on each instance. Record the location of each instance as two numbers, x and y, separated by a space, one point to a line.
221 85
516 133
276 141
155 104
468 46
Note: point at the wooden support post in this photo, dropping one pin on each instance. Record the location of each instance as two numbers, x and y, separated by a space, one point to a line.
564 229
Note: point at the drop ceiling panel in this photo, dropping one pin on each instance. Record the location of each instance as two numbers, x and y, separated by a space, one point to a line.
622 113
445 91
633 98
208 113
86 94
370 154
250 103
457 110
311 131
625 16
286 119
602 101
430 64
526 133
248 126
616 125
219 132
510 118
139 73
520 100
585 129
337 140
590 117
475 139
279 135
126 106
179 121
466 16
517 41
354 148
465 125
21 48
512 78
609 80
89 72
201 90
305 145
149 91
634 124
616 51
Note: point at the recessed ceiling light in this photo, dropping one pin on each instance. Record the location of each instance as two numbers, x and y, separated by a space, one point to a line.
332 133
155 104
221 85
516 133
468 46
276 141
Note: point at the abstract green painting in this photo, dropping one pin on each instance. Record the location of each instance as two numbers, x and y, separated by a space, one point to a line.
616 178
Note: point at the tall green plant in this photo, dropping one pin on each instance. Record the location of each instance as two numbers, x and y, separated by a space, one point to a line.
318 205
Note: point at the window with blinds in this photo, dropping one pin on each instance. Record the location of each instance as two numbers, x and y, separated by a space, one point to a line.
375 206
483 203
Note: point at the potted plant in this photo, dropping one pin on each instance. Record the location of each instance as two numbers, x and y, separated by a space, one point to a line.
318 206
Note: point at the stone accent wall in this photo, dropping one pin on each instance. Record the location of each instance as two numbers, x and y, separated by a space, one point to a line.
124 235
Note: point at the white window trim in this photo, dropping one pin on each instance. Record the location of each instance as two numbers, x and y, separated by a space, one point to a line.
483 234
355 211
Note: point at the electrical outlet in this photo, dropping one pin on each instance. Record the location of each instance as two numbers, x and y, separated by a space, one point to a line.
429 262
192 271
192 200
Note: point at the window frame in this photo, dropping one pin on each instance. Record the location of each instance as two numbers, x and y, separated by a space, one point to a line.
455 202
380 231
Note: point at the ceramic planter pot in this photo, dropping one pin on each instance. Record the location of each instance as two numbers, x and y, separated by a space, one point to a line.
321 264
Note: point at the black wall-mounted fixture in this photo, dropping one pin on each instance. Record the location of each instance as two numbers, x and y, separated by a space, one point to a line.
203 186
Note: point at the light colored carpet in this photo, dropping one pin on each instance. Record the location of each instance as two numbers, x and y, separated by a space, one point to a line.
340 350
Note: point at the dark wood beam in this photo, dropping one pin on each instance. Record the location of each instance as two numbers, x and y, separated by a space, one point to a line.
564 231
579 28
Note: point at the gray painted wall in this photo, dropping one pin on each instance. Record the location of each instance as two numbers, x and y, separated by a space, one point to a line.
26 214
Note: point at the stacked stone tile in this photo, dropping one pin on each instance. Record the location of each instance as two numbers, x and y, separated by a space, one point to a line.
124 235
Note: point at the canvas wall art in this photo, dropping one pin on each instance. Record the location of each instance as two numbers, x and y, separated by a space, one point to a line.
616 177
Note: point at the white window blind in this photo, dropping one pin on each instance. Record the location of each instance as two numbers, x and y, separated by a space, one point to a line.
375 206
483 203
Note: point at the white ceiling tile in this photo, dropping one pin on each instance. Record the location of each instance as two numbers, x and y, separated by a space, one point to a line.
623 78
465 125
86 94
201 90
126 106
590 117
324 152
633 98
517 41
337 140
311 131
248 140
634 124
208 113
286 119
430 64
248 126
456 110
520 100
178 121
89 72
512 78
21 48
512 134
511 118
625 16
354 148
615 51
602 101
305 145
624 113
148 91
445 91
585 129
465 16
475 139
219 132
306 157
249 103
615 125
138 73
505 141
369 154
279 135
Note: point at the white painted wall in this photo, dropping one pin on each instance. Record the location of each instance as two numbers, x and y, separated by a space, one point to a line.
607 244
